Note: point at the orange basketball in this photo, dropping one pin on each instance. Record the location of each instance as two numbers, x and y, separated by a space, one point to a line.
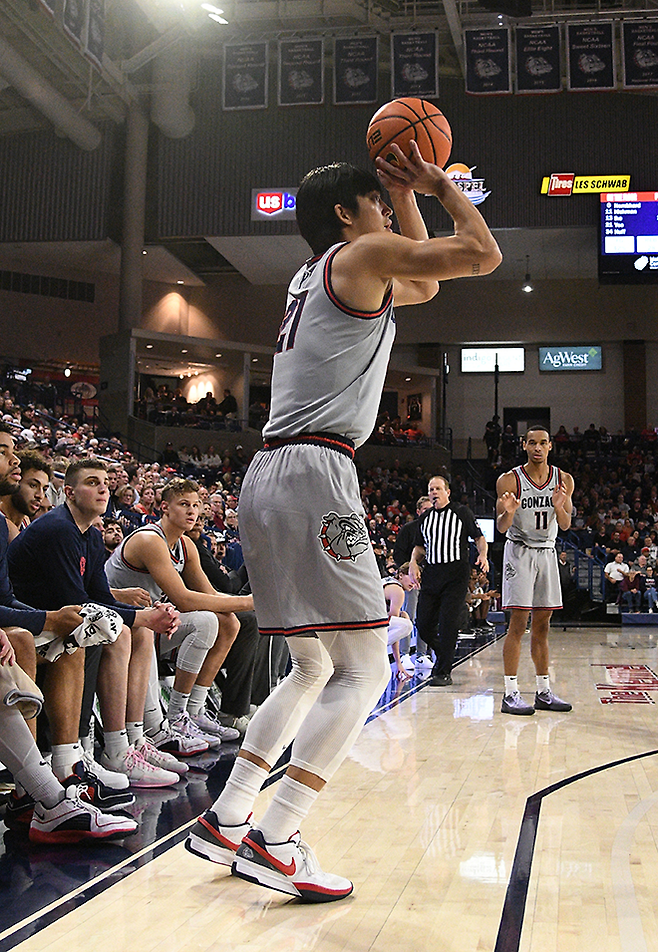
402 120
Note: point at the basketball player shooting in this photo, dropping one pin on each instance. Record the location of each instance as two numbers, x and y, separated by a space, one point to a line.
311 566
533 500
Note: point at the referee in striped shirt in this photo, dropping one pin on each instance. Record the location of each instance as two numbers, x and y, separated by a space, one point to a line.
442 540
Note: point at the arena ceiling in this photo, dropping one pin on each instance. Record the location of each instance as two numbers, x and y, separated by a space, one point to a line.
45 79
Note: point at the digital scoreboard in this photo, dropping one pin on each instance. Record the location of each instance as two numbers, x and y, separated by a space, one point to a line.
628 248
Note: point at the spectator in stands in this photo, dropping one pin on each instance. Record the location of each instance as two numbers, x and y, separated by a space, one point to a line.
229 405
146 505
126 513
112 533
650 592
491 437
55 489
615 571
631 588
508 444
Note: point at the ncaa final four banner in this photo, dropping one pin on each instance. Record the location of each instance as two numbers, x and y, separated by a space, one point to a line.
415 65
538 59
355 70
245 76
640 53
301 72
590 54
488 69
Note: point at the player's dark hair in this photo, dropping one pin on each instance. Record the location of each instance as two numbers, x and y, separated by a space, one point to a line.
85 462
320 191
534 427
30 459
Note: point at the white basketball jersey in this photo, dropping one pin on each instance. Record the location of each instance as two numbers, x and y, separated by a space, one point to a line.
330 361
535 523
121 574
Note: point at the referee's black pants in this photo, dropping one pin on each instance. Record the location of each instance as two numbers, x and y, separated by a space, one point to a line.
440 607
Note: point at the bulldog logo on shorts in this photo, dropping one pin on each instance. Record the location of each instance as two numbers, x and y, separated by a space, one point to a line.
343 537
510 571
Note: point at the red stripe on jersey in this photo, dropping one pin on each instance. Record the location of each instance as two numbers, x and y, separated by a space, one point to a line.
339 304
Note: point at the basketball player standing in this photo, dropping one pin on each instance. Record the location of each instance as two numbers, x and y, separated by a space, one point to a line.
533 500
311 565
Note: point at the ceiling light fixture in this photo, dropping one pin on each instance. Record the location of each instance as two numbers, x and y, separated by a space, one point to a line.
214 13
527 283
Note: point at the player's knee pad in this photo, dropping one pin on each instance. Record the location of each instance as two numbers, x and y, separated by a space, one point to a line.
198 642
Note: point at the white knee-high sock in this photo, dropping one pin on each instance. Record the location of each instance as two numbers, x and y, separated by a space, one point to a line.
286 811
236 801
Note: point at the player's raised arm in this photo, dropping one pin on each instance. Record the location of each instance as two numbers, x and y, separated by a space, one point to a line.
471 250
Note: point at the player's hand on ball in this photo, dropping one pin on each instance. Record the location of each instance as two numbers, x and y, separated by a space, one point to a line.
412 173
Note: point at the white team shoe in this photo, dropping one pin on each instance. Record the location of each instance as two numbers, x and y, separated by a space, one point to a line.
289 867
424 661
160 758
209 724
184 725
110 778
181 743
140 772
74 819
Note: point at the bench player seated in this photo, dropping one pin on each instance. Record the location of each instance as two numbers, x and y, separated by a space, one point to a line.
61 813
57 560
161 559
399 624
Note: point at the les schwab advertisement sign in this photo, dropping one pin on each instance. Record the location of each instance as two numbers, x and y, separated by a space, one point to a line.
570 358
568 183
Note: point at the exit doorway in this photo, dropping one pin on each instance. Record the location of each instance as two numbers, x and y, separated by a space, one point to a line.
520 418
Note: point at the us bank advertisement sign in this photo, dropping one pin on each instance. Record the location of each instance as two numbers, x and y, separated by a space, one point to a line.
563 357
273 204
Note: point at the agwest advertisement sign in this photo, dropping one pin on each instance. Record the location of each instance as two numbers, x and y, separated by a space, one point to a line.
565 357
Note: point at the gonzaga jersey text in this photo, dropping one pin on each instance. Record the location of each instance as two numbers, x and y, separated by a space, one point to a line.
534 522
330 361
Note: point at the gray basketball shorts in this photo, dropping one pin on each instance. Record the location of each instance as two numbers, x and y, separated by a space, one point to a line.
308 555
530 578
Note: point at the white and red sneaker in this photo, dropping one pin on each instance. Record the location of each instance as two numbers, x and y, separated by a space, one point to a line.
212 841
74 819
289 867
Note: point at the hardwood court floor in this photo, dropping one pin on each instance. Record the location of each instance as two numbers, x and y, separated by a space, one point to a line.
463 829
